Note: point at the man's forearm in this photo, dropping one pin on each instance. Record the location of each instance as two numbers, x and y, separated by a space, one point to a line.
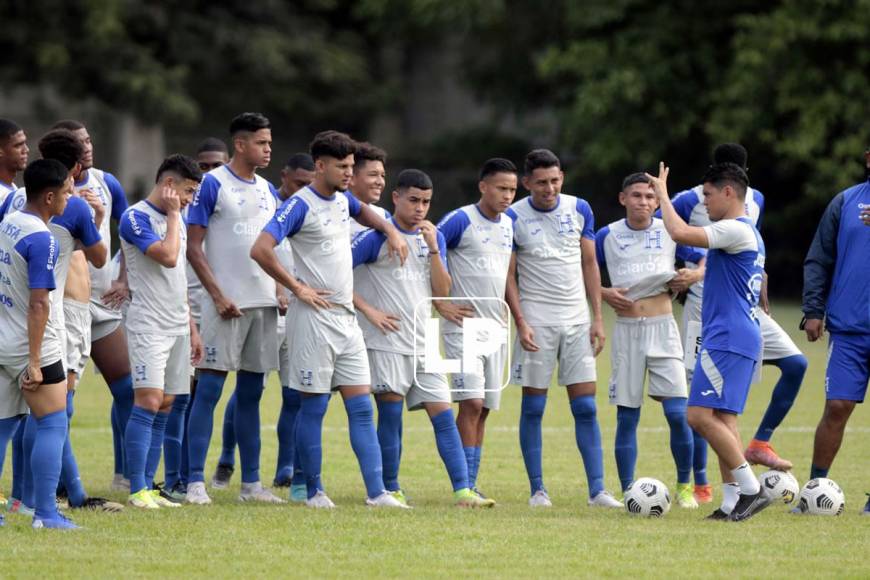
37 318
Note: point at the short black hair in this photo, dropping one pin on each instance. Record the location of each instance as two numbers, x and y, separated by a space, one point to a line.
332 144
540 159
413 178
634 178
731 153
251 122
366 152
497 165
722 174
61 144
300 161
42 175
182 165
8 128
212 144
69 125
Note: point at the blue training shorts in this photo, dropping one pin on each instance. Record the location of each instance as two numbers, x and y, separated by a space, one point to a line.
848 367
721 381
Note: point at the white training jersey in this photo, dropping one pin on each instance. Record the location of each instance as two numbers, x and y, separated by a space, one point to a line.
195 290
549 265
479 255
640 260
6 189
356 227
234 211
158 301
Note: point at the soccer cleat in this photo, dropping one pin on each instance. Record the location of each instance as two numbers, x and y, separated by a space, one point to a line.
222 475
400 496
717 515
256 492
62 502
143 499
162 501
298 493
59 522
175 495
540 499
467 498
386 500
761 453
866 510
196 494
749 505
119 483
320 501
100 504
685 497
703 493
282 482
16 506
3 500
604 499
478 492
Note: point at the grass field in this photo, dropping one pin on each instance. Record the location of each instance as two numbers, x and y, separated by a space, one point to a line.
435 539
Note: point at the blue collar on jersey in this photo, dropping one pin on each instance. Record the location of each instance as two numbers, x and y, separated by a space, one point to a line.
555 207
483 215
321 196
155 208
628 225
398 227
83 177
242 179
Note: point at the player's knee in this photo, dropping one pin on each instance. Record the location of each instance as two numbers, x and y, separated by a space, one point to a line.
697 418
583 408
360 408
795 367
533 406
837 412
471 408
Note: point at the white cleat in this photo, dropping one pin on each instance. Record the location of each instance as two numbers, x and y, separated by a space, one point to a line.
386 500
162 501
256 492
605 500
540 499
120 484
320 501
196 493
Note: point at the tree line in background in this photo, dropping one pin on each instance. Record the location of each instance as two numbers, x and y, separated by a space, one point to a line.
621 83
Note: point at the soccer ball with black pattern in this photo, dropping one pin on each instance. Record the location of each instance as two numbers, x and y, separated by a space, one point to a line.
780 485
647 497
822 497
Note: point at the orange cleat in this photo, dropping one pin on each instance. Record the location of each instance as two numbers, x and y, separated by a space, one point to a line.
761 453
704 493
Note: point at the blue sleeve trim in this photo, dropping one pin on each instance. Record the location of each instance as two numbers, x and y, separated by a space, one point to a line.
452 226
684 202
119 198
600 236
366 246
584 209
136 229
79 222
204 201
40 251
353 204
288 219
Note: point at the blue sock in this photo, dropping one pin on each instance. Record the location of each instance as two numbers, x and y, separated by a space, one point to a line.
390 440
784 394
172 440
298 474
28 441
137 441
588 437
122 395
364 441
470 455
450 448
531 440
682 444
228 434
625 446
69 473
201 423
290 402
18 459
818 471
249 391
117 439
8 428
699 458
309 439
152 461
184 475
45 461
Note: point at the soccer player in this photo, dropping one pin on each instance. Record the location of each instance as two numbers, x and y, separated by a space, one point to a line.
638 256
394 300
328 351
31 362
836 296
731 337
553 272
162 338
479 240
13 155
240 318
369 180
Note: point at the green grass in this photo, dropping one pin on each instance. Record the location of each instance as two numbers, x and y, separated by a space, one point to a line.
228 539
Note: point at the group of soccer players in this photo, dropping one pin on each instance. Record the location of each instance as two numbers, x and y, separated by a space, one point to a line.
221 271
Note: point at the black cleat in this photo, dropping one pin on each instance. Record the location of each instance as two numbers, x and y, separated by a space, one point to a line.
749 505
222 476
282 482
100 504
718 515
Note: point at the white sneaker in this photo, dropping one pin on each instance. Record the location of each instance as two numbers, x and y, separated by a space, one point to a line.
387 500
120 484
320 500
540 499
604 499
196 493
256 492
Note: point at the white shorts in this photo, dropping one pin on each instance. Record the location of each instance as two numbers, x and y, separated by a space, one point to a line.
77 324
195 297
158 361
283 352
12 401
649 344
247 343
569 346
327 350
487 384
776 342
104 320
395 373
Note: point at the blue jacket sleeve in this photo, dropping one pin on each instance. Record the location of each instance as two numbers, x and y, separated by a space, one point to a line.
820 261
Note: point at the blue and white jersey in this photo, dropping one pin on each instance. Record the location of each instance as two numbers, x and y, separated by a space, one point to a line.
395 289
28 254
235 211
549 264
6 189
640 260
733 277
158 295
319 231
357 228
110 192
479 254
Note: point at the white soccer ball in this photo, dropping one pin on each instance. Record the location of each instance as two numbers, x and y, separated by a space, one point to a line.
647 497
780 485
822 497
